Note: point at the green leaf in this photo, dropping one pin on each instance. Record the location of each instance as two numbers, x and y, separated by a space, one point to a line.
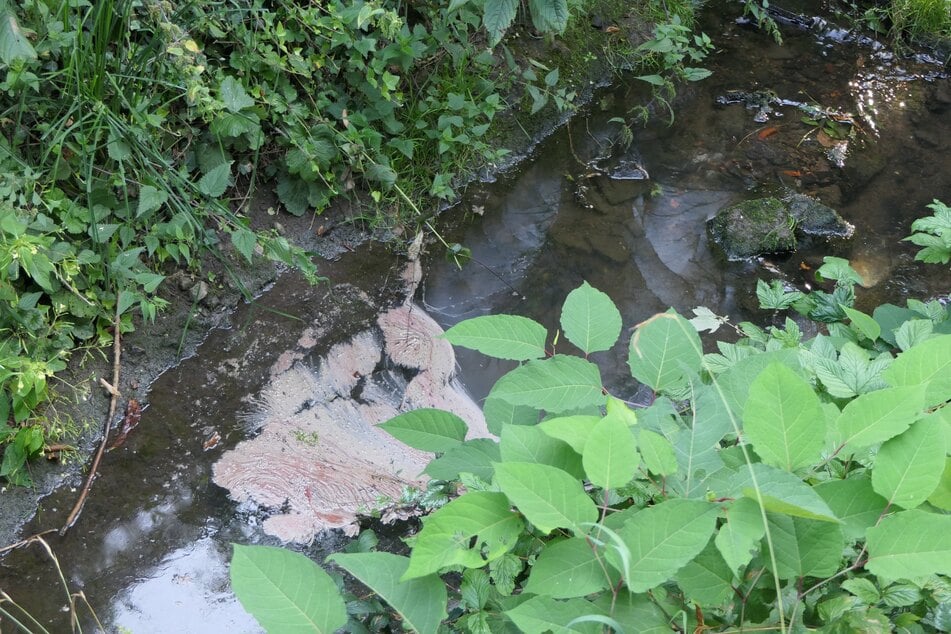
557 384
573 430
697 445
862 588
838 269
421 602
548 497
739 538
567 569
234 96
863 324
661 539
854 502
474 456
542 614
499 412
876 416
913 332
150 199
470 531
782 492
909 545
501 336
654 80
13 43
215 182
549 16
590 320
522 443
497 16
427 429
927 363
783 419
658 454
662 348
125 301
803 547
941 498
908 467
285 591
707 580
244 241
610 455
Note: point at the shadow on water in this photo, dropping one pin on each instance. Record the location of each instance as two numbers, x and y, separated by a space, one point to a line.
150 550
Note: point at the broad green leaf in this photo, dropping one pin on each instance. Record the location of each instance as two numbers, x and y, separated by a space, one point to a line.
476 456
548 497
558 384
661 349
573 430
285 591
610 455
244 241
427 429
234 96
853 372
783 419
150 199
909 545
863 324
890 318
497 16
13 42
590 320
658 454
854 502
661 539
470 531
735 382
876 416
927 363
499 412
838 269
501 336
803 547
781 492
567 569
864 589
941 498
421 602
543 614
214 183
707 580
522 443
549 16
697 445
739 537
908 467
622 411
913 332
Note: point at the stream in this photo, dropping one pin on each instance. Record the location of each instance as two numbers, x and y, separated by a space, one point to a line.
150 551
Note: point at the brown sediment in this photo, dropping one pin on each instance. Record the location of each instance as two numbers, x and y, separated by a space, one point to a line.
320 458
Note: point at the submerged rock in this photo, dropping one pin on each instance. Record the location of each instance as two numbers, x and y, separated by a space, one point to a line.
773 225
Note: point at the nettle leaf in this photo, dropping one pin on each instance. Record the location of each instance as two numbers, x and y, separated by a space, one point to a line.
234 96
803 547
864 589
543 614
215 181
497 17
781 492
150 199
573 430
568 569
783 419
739 537
876 416
927 363
501 336
658 453
707 580
854 502
557 384
244 242
590 320
476 456
909 545
14 44
420 602
470 531
427 429
662 348
521 443
908 467
610 454
548 497
285 591
661 539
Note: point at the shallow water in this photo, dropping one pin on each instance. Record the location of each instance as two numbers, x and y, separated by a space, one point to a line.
150 550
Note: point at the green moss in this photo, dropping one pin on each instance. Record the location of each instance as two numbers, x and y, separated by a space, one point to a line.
752 228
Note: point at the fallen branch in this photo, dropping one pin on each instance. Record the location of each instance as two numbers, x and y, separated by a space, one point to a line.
113 401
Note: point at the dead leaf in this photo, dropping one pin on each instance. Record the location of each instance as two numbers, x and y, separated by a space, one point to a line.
133 414
824 139
792 173
211 442
765 133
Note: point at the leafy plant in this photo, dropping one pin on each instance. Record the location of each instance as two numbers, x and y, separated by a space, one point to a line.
779 483
934 234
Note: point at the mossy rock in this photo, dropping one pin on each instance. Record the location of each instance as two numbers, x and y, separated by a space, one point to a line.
814 219
753 227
